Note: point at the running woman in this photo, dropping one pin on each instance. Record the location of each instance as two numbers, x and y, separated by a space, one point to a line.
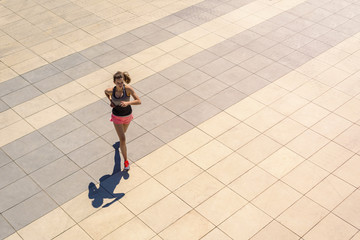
121 116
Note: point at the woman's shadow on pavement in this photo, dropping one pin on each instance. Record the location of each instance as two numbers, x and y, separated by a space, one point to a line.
108 183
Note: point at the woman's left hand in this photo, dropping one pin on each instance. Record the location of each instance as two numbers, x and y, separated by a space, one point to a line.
124 104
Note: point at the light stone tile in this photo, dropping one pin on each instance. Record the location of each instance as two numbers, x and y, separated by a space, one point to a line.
332 76
350 138
281 162
172 43
33 106
14 132
349 64
208 40
186 51
332 99
189 141
218 124
349 210
102 222
95 78
191 226
350 110
221 206
199 189
305 176
288 104
285 131
331 126
64 92
167 211
311 90
162 62
164 157
330 192
313 68
79 101
231 137
309 114
46 116
245 108
292 80
245 223
73 233
302 216
307 143
8 117
178 174
251 150
276 199
28 65
350 170
350 85
7 74
269 94
253 182
235 166
264 119
331 228
48 226
144 195
14 236
216 234
333 56
209 154
275 231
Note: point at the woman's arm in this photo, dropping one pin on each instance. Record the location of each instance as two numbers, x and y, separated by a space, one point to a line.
108 93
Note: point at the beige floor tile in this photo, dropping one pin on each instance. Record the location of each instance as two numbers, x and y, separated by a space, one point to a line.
6 74
311 90
349 64
84 43
275 231
221 206
350 171
208 40
162 62
58 53
106 220
252 152
292 80
216 234
245 108
78 101
14 236
193 34
276 199
46 116
230 168
281 162
349 210
350 45
249 21
269 94
350 138
65 91
333 56
136 177
264 119
47 46
285 131
199 189
350 110
190 141
252 183
148 54
331 156
332 99
245 223
350 85
164 157
18 57
191 226
186 51
135 229
156 238
172 44
332 76
331 228
305 176
98 90
330 192
140 72
166 212
14 131
8 117
307 143
356 237
48 226
331 126
209 154
29 65
126 64
215 24
302 216
288 104
309 114
144 195
313 68
95 78
73 233
178 174
229 31
33 106
218 124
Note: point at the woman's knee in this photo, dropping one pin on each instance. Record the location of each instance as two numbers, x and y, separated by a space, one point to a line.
122 138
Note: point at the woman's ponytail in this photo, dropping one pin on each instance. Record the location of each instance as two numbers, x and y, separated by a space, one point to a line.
127 78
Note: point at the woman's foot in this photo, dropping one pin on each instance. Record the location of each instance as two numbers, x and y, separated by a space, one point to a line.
126 165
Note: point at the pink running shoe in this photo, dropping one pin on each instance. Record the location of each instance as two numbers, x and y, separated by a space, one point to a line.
126 165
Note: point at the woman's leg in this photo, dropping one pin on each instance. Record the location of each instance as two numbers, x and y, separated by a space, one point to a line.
121 133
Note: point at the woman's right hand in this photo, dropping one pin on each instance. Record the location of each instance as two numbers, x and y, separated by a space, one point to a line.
112 104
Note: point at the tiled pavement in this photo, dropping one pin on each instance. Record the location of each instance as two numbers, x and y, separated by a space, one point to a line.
248 128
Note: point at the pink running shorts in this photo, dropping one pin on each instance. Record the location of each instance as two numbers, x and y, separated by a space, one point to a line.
121 120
